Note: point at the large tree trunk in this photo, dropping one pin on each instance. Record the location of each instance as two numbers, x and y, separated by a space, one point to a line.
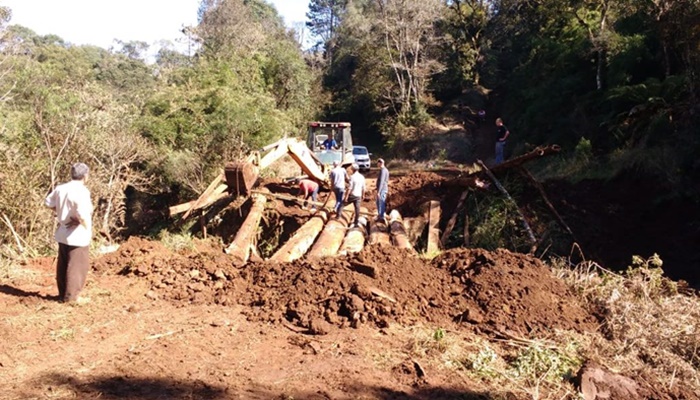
302 239
355 238
379 234
398 231
331 238
240 248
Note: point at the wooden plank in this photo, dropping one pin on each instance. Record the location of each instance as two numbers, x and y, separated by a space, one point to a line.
434 212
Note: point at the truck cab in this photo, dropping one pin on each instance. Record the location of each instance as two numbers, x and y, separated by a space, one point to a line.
331 141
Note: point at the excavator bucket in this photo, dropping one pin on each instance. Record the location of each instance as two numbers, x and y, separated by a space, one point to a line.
241 177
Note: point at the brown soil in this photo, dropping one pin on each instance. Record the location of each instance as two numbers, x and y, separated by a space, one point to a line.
490 291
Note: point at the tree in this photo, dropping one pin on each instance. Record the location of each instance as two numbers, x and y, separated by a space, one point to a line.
408 35
324 17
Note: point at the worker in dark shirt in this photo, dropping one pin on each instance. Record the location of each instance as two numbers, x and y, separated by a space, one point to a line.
502 134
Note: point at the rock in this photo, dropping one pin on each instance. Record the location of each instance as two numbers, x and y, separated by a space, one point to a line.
318 326
356 303
470 315
219 274
151 295
597 383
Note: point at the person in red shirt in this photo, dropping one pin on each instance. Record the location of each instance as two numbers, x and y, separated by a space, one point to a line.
308 188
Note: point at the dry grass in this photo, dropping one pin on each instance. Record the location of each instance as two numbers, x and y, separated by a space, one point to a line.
649 326
527 368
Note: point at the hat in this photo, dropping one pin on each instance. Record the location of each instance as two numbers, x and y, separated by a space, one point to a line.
335 163
355 167
381 160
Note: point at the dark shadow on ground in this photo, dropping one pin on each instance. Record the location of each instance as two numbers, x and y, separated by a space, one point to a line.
13 291
384 393
156 388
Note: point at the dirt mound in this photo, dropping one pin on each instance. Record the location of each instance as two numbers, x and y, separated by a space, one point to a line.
513 291
408 192
378 286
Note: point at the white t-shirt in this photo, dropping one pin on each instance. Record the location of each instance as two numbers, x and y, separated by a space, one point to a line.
72 199
357 184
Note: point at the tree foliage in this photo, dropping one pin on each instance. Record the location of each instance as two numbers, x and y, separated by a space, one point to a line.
141 127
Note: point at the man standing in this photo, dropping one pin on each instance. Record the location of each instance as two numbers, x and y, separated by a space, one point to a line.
382 190
308 188
339 176
501 136
356 192
73 207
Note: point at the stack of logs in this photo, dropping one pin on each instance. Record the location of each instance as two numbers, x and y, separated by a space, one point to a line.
325 235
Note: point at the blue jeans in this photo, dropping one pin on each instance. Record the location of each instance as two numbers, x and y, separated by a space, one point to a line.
381 204
339 194
500 146
313 196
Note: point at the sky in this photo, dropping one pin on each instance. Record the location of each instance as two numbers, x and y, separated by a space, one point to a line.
99 22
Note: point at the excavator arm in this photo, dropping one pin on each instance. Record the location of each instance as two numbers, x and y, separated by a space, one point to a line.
240 177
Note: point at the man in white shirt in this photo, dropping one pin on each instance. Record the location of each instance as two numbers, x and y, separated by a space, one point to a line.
73 207
356 192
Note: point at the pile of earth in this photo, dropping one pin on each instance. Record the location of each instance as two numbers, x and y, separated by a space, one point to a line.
490 291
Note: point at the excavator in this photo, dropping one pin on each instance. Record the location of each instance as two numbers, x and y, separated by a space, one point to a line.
240 177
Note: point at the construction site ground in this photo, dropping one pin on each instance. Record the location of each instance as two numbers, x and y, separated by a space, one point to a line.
158 323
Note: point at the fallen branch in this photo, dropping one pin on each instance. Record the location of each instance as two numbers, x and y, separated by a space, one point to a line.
453 218
540 188
503 190
18 239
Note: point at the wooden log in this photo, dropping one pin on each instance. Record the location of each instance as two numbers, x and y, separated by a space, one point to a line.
453 219
218 194
302 239
538 152
503 190
205 198
398 231
332 236
434 212
354 238
378 233
242 244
